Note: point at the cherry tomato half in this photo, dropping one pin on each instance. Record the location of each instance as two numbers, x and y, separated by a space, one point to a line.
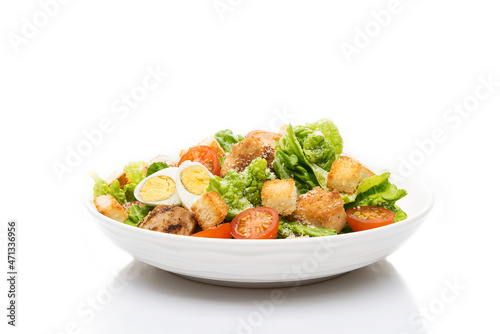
265 137
223 231
362 218
255 223
205 156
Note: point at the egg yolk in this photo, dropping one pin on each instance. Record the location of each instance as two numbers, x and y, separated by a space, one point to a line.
158 188
195 179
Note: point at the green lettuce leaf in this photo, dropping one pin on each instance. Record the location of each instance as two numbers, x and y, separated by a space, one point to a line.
317 147
305 155
129 192
400 214
134 175
101 188
287 229
377 190
290 163
227 139
346 229
134 171
331 136
156 167
254 176
242 190
137 213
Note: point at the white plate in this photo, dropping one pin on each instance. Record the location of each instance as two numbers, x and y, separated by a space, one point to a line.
269 263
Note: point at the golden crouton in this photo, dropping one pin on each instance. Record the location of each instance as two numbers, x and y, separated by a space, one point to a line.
210 210
160 158
280 195
210 142
120 176
320 208
346 174
109 206
244 152
365 172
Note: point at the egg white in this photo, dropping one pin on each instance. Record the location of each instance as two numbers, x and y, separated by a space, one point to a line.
172 200
187 198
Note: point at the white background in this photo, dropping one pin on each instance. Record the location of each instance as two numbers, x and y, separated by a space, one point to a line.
240 70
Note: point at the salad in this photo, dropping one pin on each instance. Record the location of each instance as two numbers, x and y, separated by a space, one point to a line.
292 184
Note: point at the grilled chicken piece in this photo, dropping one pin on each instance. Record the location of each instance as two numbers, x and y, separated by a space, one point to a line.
169 219
244 152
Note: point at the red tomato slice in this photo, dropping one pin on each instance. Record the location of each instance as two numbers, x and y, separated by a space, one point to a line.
255 223
205 156
223 231
264 136
362 218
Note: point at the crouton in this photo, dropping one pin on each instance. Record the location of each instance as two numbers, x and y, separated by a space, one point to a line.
210 142
160 158
320 208
281 195
365 172
346 174
244 152
169 219
210 210
109 206
120 176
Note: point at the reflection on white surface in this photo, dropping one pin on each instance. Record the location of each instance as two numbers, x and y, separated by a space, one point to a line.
156 301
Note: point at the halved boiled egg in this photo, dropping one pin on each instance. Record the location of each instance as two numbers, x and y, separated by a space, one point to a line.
192 181
159 188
